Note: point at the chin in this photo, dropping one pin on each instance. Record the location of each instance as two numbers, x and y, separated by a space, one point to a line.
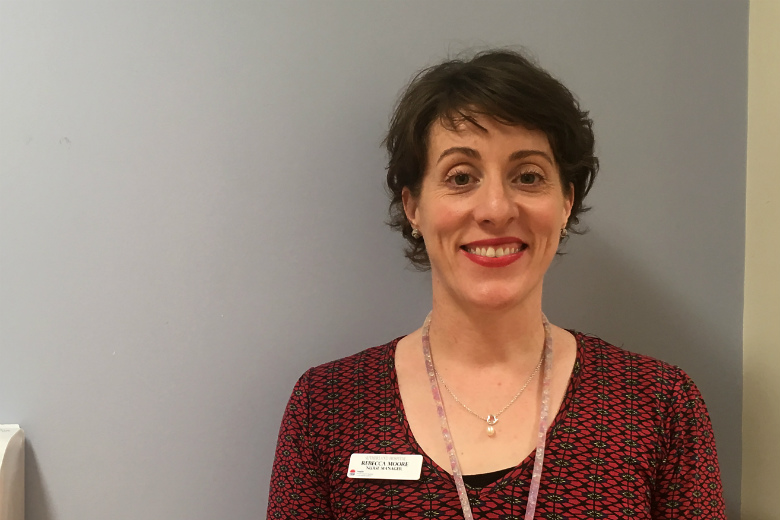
497 298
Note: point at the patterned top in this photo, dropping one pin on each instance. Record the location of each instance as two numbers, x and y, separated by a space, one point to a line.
632 439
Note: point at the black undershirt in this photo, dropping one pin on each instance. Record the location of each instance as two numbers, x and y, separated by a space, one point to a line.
484 479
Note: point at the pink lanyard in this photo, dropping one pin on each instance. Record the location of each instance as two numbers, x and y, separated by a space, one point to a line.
445 428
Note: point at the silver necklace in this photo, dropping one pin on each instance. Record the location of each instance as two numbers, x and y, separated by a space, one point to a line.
492 419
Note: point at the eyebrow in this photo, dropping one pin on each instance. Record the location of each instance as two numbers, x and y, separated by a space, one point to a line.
470 152
522 154
459 149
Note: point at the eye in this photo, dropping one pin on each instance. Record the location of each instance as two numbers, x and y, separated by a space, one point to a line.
460 178
529 178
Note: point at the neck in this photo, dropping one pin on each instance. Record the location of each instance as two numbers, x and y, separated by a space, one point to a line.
487 337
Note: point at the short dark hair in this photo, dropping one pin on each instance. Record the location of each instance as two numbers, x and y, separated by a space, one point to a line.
502 84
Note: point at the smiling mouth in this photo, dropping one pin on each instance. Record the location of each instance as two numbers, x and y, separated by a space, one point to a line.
495 252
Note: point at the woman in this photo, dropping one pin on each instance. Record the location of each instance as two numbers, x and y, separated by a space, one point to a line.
488 411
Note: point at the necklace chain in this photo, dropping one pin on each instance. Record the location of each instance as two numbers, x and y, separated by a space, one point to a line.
493 418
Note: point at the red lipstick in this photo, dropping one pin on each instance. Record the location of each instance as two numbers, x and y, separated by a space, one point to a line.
494 243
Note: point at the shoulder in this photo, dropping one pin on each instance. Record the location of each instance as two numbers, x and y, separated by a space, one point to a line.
602 364
342 397
595 351
609 380
355 370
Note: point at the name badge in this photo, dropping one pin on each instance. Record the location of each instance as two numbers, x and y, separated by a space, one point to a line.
388 466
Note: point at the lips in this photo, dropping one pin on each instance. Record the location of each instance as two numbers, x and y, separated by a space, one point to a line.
495 252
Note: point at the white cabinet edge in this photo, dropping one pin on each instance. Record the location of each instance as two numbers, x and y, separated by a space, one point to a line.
11 472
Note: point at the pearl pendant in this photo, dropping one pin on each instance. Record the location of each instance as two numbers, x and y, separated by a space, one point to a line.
491 420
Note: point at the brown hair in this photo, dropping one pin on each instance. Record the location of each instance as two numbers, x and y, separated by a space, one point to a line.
501 84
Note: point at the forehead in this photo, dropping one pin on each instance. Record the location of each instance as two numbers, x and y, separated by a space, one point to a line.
486 136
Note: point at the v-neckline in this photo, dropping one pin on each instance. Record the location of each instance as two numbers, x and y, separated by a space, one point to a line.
526 465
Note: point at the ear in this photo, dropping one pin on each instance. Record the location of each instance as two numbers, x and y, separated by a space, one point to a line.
568 202
410 206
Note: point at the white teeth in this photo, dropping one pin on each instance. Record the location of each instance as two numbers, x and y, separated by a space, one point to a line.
491 252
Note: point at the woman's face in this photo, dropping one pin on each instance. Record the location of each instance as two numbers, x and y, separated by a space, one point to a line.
490 209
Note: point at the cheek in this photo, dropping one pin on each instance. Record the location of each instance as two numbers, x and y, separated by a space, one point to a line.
546 218
446 220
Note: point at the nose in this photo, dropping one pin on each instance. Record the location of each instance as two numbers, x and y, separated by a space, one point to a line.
494 203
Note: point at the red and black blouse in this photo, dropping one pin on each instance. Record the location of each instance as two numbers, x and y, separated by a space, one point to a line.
632 440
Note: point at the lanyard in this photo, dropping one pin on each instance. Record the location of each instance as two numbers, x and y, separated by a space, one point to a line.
533 492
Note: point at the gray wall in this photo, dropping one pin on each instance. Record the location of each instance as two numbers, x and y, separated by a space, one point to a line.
191 214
